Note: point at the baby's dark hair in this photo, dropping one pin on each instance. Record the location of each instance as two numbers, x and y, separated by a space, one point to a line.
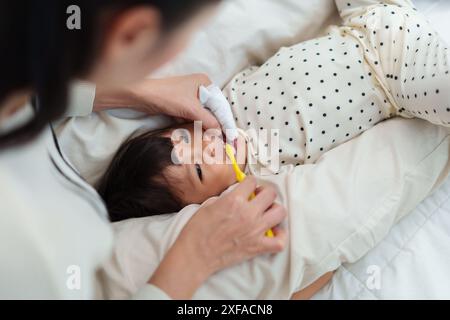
136 183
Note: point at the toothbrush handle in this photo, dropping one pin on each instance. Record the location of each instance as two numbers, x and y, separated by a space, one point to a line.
269 233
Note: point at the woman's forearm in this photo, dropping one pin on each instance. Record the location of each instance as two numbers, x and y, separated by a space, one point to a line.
222 233
180 273
174 96
116 98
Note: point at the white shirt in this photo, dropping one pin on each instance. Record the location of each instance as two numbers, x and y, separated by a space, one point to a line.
54 230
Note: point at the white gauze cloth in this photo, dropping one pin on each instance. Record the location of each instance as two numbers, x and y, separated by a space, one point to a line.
212 98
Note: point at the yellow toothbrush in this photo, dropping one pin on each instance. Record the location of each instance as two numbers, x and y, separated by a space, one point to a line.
241 176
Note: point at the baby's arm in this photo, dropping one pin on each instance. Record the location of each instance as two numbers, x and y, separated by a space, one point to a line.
313 288
348 8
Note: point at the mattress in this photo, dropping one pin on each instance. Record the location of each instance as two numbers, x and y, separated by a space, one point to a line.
413 261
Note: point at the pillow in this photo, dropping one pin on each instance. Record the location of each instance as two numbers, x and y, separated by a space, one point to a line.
350 198
242 32
247 32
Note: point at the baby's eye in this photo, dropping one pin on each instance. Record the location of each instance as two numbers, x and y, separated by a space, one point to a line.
199 171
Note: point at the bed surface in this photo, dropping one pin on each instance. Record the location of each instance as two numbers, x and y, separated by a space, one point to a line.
413 261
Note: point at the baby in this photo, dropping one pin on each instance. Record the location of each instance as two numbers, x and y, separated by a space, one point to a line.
384 61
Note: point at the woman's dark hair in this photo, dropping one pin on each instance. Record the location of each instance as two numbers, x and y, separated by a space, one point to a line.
136 183
40 54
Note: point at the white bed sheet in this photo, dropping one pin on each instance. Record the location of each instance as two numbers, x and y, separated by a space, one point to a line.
413 261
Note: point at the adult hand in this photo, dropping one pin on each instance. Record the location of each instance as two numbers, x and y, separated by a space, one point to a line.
173 96
225 232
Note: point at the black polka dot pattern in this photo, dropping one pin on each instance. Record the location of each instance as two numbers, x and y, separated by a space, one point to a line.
323 92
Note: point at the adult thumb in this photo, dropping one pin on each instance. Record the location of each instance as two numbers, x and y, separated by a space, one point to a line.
208 120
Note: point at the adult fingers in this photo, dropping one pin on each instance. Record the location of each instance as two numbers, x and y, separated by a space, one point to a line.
259 189
264 198
276 243
202 79
198 113
274 216
244 189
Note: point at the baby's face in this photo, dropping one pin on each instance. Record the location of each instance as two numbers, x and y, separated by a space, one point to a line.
203 169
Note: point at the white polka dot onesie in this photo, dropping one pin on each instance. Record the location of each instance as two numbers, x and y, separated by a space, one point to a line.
384 60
